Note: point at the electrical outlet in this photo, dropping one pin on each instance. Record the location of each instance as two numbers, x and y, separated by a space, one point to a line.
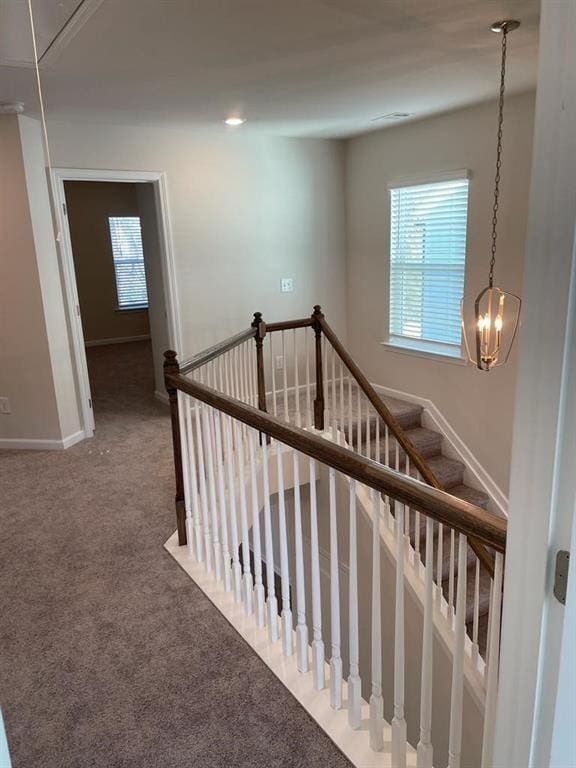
4 405
287 285
279 362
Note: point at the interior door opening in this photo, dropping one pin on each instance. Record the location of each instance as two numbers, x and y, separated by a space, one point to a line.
115 237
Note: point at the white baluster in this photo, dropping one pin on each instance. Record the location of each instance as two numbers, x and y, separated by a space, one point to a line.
209 454
235 375
259 596
203 491
236 567
248 586
183 408
439 562
301 626
398 721
376 700
271 600
452 572
226 563
359 422
407 509
334 406
368 430
226 362
307 333
457 695
342 422
297 380
194 484
425 744
285 378
493 665
273 377
246 368
284 568
350 418
253 373
476 617
354 682
317 642
335 658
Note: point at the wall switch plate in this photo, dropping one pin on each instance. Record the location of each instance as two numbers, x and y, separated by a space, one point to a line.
4 405
279 362
287 285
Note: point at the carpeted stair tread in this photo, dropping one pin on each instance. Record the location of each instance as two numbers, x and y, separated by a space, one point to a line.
472 495
449 472
427 441
484 592
408 415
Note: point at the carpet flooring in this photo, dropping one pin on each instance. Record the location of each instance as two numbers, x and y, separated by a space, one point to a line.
109 655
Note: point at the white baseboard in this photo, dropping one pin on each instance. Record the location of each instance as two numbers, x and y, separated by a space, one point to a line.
162 396
116 340
475 474
17 444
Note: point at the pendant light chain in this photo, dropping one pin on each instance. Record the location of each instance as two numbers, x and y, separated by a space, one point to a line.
498 160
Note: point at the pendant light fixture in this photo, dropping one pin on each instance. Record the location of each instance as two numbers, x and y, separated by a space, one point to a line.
496 312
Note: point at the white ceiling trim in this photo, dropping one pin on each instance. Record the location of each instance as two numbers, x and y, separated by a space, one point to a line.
79 18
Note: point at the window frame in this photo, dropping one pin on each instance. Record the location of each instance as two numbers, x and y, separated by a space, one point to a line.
135 307
440 351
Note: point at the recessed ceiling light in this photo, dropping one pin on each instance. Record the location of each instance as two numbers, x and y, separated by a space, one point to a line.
392 116
234 121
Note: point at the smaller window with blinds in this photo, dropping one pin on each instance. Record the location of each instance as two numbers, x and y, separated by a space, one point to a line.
126 238
427 264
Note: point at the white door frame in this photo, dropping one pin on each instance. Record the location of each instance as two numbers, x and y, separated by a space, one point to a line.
543 481
61 175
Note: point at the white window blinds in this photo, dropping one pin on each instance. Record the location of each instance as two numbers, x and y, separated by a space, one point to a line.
427 261
126 238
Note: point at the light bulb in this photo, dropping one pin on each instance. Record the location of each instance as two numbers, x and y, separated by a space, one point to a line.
234 121
498 323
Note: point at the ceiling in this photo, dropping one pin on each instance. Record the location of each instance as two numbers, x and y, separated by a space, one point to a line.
291 67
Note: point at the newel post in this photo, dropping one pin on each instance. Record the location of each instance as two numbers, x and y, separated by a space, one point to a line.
172 368
319 399
259 332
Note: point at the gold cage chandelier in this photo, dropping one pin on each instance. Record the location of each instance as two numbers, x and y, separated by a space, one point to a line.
496 312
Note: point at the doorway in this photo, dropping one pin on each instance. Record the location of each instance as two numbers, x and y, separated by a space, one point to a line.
119 282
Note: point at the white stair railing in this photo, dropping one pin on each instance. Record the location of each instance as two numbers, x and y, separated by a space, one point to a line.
348 561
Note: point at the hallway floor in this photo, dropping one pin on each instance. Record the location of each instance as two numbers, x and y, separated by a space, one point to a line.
109 655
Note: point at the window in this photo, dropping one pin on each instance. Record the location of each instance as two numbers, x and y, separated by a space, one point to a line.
128 256
427 261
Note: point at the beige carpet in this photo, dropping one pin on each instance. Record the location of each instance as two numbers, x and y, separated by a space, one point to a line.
109 655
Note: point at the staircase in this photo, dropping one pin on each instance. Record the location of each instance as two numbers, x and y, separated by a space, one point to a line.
449 471
327 524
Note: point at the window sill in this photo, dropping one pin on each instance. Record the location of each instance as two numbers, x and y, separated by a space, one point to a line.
437 352
132 309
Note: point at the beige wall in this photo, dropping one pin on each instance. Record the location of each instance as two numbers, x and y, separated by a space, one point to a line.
478 405
25 365
89 204
245 211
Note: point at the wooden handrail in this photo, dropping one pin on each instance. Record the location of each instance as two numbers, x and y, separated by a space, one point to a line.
289 325
464 517
218 349
416 458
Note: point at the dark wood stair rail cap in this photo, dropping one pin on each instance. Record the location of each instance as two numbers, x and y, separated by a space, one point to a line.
215 351
466 518
416 458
